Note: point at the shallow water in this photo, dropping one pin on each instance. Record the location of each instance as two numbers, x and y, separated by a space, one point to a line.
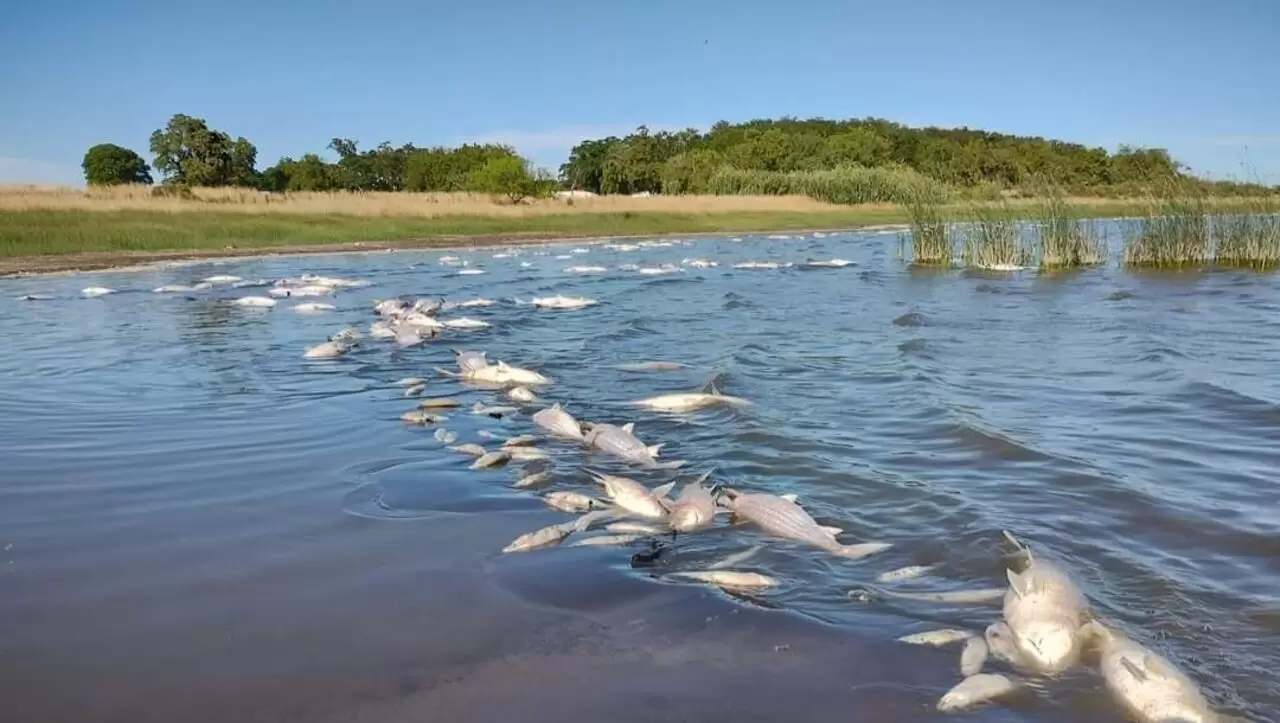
199 524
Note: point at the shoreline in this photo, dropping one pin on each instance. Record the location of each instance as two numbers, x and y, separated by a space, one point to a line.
120 260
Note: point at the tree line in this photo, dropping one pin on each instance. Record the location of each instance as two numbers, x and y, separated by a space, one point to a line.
770 156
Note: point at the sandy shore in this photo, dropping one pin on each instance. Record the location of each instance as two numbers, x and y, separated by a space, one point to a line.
96 261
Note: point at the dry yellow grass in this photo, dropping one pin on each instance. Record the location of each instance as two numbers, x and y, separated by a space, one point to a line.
344 203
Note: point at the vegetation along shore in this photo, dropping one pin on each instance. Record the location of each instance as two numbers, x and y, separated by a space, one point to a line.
1022 198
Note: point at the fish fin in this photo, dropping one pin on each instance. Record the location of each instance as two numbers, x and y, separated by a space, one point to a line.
704 477
667 503
662 490
655 449
713 391
1021 546
854 552
833 531
447 373
1019 583
556 407
673 464
629 427
1133 669
791 497
503 365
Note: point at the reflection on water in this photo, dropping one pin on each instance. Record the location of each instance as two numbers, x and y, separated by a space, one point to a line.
182 490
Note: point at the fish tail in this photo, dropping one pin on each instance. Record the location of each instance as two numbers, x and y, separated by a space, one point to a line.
446 373
673 464
855 552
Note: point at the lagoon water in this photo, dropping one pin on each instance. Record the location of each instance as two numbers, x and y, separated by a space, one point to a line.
199 525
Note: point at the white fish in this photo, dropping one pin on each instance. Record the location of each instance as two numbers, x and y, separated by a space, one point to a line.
757 265
474 450
350 335
736 558
572 501
466 322
439 403
479 408
607 540
419 319
390 307
652 366
729 578
381 330
501 373
976 689
410 382
526 454
221 279
1146 684
973 656
279 292
92 291
830 263
261 302
470 303
471 272
658 270
558 422
637 528
407 336
633 496
563 302
783 518
1000 267
579 251
937 638
418 416
544 537
585 269
689 402
172 289
470 360
590 519
449 259
533 480
525 264
622 443
909 572
327 350
522 394
700 263
496 458
694 509
522 440
1045 611
313 308
35 297
414 390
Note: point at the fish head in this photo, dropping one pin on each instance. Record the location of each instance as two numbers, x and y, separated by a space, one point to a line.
1051 646
685 518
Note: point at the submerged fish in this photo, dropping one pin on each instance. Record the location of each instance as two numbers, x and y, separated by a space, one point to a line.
944 636
976 689
729 578
907 573
544 537
470 448
261 302
481 409
445 436
736 558
327 350
496 458
533 480
652 366
689 402
410 382
522 394
829 263
417 416
563 302
415 390
607 540
1147 685
313 308
526 454
572 501
585 269
522 440
558 422
638 528
439 403
783 518
963 597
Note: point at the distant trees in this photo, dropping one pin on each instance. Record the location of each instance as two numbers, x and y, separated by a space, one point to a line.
509 177
189 153
107 164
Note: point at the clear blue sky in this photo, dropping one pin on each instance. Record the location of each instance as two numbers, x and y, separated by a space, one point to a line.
1202 79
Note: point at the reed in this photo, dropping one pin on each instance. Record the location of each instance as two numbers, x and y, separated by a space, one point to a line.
1064 240
1251 239
1173 232
847 185
930 240
994 240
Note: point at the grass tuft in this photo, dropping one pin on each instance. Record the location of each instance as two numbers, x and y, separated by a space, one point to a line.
994 240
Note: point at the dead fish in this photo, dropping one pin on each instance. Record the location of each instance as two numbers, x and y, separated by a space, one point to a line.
729 578
572 501
639 528
623 444
522 440
633 496
414 390
410 382
785 519
1000 643
349 335
533 480
445 436
1145 684
909 572
327 350
492 411
736 558
1045 611
470 360
496 458
558 422
606 540
439 403
417 416
544 537
973 656
503 374
937 638
690 402
474 450
589 520
976 689
522 394
526 454
962 597
694 509
652 366
563 302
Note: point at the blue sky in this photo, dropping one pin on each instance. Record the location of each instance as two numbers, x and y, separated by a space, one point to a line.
1194 77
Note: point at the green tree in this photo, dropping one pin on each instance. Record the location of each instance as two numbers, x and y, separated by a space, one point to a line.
509 177
189 153
107 164
690 172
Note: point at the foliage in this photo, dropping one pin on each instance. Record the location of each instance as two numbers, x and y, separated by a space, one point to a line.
844 185
930 240
508 177
107 164
993 240
189 153
1173 232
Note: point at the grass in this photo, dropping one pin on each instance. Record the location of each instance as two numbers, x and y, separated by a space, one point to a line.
1250 239
846 185
1064 241
994 239
930 240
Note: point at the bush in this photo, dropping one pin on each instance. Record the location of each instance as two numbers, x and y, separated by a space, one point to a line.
107 164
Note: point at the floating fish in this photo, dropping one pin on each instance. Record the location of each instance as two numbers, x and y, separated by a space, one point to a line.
652 366
533 480
572 501
736 558
623 444
907 573
414 390
606 540
558 422
944 636
445 436
439 403
729 578
327 350
417 416
976 689
474 450
973 656
544 537
522 394
261 302
313 308
689 402
633 496
694 509
1147 685
783 518
488 460
1045 611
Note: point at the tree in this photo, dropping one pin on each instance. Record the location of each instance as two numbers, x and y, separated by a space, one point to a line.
690 172
189 153
508 176
107 164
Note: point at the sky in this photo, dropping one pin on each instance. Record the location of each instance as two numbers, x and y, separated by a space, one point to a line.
1197 78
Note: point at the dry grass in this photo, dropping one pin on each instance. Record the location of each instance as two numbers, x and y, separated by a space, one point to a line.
344 203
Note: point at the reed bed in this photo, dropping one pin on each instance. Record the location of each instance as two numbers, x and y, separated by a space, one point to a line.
994 239
1065 241
847 185
1173 233
930 239
1249 240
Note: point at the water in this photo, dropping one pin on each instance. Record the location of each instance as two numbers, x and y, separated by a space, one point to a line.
199 524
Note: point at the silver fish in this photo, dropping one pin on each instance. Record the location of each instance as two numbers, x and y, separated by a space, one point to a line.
694 509
526 454
522 440
909 572
417 416
736 558
439 403
973 656
1045 611
976 689
729 578
638 528
469 361
474 450
633 496
572 501
590 519
496 458
606 540
1145 684
962 597
544 537
785 519
533 480
415 390
944 636
623 444
558 422
652 366
524 395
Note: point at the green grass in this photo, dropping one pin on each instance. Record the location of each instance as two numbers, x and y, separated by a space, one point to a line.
844 185
993 239
1251 239
1172 234
1064 241
930 239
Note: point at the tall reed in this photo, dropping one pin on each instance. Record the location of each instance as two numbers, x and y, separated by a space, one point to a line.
930 239
1065 241
993 240
1173 232
1250 239
846 185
